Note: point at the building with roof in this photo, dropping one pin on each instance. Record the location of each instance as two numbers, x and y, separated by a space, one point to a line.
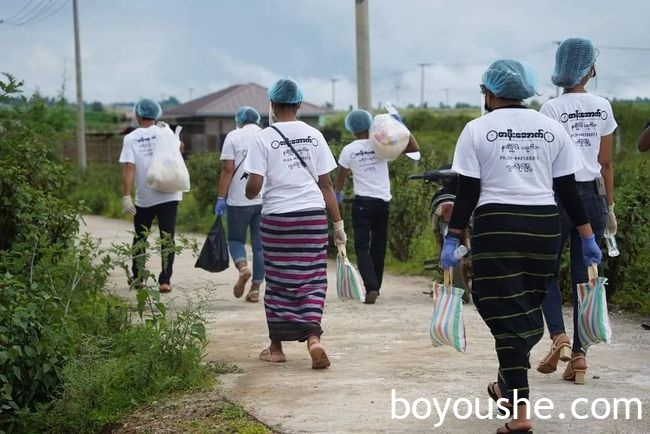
207 120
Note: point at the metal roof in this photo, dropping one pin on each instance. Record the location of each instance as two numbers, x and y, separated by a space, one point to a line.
226 102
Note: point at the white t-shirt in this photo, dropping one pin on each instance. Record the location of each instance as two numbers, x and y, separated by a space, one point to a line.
287 185
369 173
235 148
516 153
138 148
586 118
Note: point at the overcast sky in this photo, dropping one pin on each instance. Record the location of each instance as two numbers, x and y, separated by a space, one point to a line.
162 48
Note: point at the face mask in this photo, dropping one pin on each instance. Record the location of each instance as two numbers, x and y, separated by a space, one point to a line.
134 122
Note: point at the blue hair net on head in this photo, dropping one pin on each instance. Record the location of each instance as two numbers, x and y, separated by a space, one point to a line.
510 79
147 108
358 121
573 61
246 115
285 91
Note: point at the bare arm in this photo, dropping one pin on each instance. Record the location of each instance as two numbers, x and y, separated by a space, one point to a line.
412 145
607 166
325 185
227 170
128 174
254 185
644 141
340 178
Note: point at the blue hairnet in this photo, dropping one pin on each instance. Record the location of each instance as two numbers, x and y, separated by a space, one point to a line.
147 108
510 79
358 121
246 115
285 91
573 60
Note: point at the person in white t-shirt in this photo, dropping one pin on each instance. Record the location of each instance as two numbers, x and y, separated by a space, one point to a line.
589 121
293 161
509 162
137 154
241 213
372 196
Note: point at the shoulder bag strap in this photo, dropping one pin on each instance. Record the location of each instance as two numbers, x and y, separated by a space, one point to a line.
302 161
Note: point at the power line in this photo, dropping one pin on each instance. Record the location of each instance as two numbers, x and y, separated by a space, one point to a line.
15 16
36 14
604 47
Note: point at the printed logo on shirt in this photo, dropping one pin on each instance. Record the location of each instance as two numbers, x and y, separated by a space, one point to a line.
309 139
493 135
565 117
361 154
145 145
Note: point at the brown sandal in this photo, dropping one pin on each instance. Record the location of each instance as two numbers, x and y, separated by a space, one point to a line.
165 288
319 358
560 350
275 358
240 285
575 370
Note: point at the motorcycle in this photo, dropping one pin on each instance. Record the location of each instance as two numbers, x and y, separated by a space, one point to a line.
441 207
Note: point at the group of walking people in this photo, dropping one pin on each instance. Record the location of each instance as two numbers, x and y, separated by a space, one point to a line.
530 181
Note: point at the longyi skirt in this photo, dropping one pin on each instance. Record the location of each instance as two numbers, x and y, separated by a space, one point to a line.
295 266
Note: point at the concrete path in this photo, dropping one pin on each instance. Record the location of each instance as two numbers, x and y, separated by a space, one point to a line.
377 348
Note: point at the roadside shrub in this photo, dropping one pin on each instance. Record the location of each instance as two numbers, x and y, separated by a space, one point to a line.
204 174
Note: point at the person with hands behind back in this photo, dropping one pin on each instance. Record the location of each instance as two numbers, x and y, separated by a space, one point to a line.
371 201
509 162
241 213
293 161
136 157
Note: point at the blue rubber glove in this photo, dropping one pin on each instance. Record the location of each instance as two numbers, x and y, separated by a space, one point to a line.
447 257
397 117
591 253
339 196
220 206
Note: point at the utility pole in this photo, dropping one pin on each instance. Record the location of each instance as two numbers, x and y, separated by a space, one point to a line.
191 91
334 80
447 97
364 99
422 66
81 123
557 88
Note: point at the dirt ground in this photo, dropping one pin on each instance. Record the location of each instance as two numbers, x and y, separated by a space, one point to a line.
377 348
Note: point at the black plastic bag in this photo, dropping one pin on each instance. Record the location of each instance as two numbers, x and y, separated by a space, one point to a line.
214 254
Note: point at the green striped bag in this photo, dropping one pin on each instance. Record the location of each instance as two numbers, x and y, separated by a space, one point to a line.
447 325
593 318
349 285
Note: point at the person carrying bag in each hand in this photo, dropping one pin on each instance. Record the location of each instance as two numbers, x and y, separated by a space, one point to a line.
510 161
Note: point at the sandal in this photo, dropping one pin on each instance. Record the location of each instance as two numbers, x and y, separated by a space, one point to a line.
275 358
165 288
492 391
319 358
253 296
510 430
575 370
244 275
560 350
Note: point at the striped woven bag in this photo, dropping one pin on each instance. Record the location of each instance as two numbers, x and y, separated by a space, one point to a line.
593 318
349 285
447 325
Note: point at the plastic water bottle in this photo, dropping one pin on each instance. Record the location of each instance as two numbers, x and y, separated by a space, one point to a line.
461 251
612 245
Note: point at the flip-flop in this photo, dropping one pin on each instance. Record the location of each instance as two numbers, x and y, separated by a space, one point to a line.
318 356
510 430
495 397
275 358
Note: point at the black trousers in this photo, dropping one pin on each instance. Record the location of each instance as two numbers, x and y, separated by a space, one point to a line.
166 214
370 224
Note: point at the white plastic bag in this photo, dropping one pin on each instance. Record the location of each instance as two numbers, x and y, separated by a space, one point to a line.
389 137
167 172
